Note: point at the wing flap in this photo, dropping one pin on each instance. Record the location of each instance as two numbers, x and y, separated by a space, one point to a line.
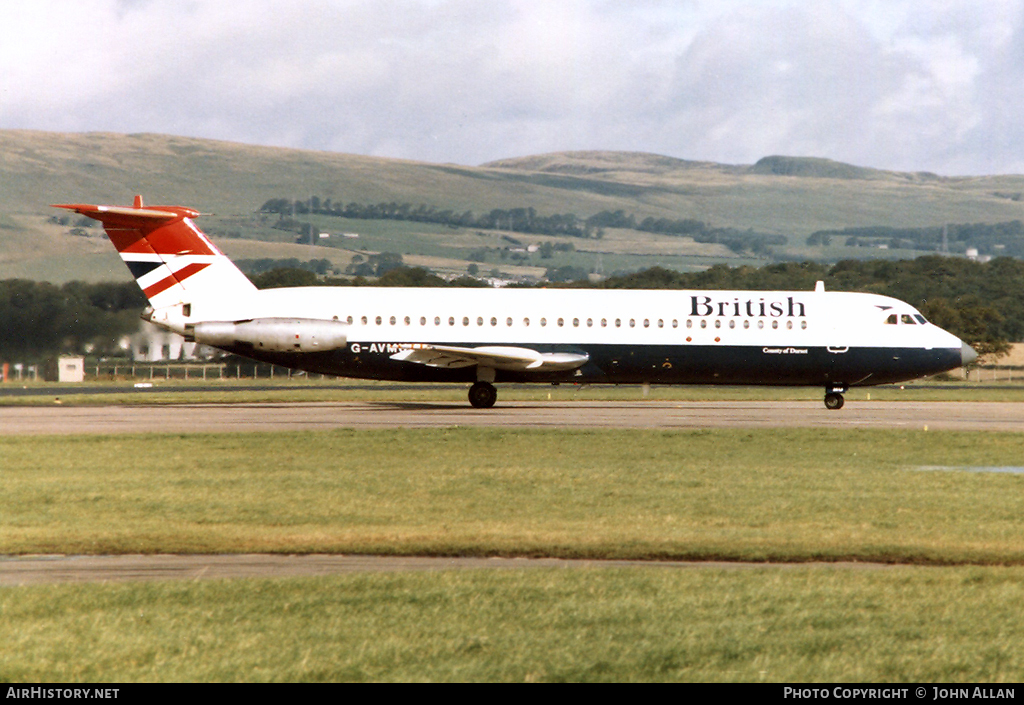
495 357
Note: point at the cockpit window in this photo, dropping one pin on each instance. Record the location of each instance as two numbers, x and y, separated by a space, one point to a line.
920 319
891 320
908 319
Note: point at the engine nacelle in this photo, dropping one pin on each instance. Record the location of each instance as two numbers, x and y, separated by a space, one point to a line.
272 334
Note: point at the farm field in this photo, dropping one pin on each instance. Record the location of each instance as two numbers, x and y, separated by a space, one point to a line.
41 168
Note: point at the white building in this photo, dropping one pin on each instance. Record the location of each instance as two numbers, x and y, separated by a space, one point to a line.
154 344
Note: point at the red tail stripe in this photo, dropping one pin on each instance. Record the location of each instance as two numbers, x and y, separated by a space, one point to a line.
176 278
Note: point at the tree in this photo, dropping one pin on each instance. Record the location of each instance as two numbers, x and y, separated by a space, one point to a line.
39 319
282 277
410 276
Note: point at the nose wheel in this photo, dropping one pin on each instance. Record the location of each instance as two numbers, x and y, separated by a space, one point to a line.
834 400
482 395
834 397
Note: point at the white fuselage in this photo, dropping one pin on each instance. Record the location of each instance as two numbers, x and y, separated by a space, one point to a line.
583 316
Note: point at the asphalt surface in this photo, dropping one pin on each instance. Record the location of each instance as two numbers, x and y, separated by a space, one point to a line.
224 418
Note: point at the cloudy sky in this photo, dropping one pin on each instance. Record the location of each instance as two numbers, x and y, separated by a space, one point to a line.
925 85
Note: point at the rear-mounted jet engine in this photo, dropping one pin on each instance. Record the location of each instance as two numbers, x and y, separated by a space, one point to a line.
272 334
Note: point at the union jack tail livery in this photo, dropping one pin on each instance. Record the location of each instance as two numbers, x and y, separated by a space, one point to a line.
171 259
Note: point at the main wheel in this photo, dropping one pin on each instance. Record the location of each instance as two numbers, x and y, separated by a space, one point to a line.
834 400
482 395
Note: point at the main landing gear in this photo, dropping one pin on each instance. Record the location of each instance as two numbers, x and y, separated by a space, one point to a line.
482 395
834 397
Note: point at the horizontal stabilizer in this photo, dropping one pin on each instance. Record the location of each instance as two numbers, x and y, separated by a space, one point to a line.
496 357
118 215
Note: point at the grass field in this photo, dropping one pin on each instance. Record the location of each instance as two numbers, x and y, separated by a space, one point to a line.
654 624
795 495
782 495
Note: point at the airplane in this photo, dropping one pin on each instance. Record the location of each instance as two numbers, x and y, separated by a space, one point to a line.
484 337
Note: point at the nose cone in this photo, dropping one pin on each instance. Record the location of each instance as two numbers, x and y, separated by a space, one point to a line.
967 354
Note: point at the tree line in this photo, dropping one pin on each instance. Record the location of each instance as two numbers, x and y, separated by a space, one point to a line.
521 220
995 239
38 319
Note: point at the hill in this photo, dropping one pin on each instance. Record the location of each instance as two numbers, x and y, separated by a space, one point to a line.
791 197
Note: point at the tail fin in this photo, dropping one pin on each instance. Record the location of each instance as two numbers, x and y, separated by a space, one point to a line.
170 258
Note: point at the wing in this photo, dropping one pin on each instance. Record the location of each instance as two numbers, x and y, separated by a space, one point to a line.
495 357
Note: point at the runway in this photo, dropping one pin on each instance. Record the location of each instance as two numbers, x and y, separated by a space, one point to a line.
232 418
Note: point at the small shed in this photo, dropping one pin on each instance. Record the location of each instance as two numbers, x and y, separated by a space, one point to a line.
66 368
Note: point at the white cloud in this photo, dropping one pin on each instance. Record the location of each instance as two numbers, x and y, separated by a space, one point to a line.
885 83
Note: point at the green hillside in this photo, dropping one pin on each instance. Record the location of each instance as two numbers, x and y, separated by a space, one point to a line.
778 196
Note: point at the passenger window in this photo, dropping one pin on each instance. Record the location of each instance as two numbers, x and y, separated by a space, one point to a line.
647 323
590 323
891 320
661 323
423 320
760 324
789 325
718 323
526 321
543 322
618 322
364 320
480 320
604 322
508 322
451 320
632 323
393 320
437 320
703 323
689 323
561 322
775 324
494 321
350 320
575 323
907 319
675 322
465 320
746 324
803 324
379 320
732 324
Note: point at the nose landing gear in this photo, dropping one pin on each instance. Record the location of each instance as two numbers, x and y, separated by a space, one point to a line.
834 397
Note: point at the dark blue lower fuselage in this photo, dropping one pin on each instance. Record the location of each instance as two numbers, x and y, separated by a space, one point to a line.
652 364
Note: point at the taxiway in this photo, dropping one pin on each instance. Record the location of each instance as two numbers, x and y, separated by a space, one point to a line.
231 418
